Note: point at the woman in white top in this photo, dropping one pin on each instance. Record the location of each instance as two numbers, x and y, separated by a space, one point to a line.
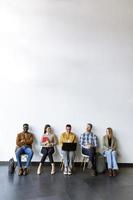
48 141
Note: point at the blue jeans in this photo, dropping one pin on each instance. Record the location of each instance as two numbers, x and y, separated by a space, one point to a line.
68 157
24 150
111 159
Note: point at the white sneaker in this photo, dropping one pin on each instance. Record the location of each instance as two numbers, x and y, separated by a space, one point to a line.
69 171
65 171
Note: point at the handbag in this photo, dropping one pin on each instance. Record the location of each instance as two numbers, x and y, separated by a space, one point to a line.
11 166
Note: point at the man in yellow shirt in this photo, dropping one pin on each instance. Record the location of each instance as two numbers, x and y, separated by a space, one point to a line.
68 155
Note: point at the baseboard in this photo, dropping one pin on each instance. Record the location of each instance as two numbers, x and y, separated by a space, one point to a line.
35 163
125 164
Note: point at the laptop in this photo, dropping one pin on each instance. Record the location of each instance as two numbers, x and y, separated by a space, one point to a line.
69 146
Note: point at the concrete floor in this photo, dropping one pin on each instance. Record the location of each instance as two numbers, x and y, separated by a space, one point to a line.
79 186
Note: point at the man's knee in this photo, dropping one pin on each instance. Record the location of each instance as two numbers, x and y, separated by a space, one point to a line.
29 152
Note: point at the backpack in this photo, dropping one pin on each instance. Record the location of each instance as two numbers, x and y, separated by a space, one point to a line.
100 163
11 166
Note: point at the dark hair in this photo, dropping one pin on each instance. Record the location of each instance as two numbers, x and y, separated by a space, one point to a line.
68 125
25 125
90 125
46 126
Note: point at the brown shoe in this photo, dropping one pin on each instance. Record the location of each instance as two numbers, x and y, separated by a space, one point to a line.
110 172
114 173
25 171
20 172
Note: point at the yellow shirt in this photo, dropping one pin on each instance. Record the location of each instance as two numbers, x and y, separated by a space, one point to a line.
68 137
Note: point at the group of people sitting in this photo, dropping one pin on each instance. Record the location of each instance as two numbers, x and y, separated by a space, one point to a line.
67 141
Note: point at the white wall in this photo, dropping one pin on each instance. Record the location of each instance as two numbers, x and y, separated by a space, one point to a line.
66 62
